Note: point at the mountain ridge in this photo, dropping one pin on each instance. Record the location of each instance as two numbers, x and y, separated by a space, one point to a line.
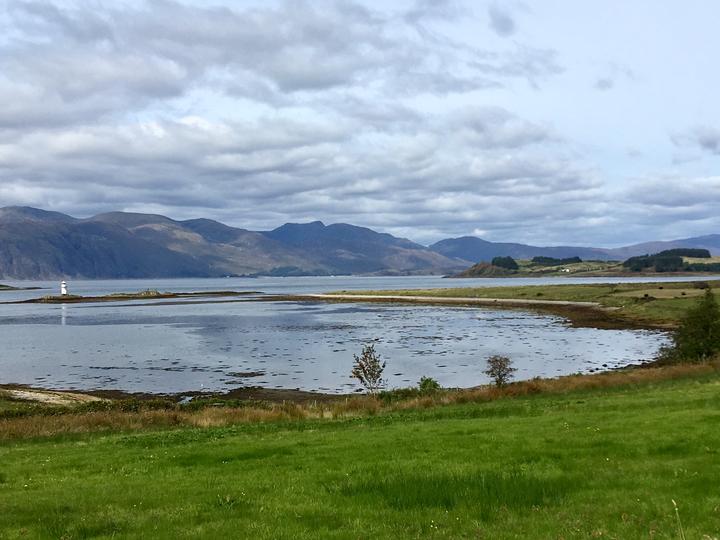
40 244
479 250
36 244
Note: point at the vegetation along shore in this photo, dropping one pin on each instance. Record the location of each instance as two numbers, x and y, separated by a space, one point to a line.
677 261
650 305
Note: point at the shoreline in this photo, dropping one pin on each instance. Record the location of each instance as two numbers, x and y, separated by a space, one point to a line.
257 394
248 393
579 314
123 297
580 275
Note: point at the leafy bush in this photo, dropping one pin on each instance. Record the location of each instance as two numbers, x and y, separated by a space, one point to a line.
661 263
505 262
671 260
500 369
703 267
428 385
698 336
695 253
368 369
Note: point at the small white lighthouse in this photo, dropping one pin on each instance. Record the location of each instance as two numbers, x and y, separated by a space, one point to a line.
63 288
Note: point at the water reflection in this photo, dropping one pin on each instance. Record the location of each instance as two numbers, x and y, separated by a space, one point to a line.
176 348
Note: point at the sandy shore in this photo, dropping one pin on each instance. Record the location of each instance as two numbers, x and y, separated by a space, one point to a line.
515 302
48 397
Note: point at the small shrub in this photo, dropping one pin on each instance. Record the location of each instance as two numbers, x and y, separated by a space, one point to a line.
428 385
500 369
368 369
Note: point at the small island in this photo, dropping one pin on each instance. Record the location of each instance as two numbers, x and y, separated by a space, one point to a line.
148 294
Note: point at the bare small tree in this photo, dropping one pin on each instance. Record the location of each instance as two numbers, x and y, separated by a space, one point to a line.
368 369
499 369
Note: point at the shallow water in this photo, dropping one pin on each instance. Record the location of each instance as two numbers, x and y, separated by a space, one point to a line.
301 285
151 347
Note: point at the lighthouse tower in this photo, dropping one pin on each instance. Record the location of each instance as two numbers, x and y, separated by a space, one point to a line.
63 288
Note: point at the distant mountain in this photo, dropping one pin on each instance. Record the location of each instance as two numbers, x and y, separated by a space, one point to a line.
349 249
710 242
479 250
26 214
224 250
35 244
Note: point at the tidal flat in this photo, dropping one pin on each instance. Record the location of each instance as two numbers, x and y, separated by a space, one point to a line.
186 342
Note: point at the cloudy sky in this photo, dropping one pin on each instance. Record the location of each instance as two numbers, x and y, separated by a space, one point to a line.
553 121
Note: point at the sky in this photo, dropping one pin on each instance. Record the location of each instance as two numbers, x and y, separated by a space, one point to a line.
547 122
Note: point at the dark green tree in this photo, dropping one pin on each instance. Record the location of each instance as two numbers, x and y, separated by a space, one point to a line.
698 336
505 262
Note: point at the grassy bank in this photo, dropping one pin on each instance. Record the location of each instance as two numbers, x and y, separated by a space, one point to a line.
595 456
653 304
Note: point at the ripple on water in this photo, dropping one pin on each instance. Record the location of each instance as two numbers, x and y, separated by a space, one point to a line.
181 348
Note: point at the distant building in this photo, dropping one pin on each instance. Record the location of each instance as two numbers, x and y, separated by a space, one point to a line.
63 288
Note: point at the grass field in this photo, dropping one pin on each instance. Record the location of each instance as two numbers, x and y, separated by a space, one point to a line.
651 303
588 463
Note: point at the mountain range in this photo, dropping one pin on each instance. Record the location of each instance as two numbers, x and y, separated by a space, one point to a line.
479 250
38 244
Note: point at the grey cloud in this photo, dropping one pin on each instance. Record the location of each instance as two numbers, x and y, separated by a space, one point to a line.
705 138
424 10
614 73
345 122
500 21
524 62
604 83
678 193
255 174
53 22
494 127
73 65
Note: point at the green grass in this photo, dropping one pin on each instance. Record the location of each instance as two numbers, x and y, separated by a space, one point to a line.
658 303
10 406
599 463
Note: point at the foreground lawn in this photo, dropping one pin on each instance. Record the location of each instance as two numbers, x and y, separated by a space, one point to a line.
593 463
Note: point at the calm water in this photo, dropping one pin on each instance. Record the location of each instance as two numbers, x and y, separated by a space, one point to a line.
153 347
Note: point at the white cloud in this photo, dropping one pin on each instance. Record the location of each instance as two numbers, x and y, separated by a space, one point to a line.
419 120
